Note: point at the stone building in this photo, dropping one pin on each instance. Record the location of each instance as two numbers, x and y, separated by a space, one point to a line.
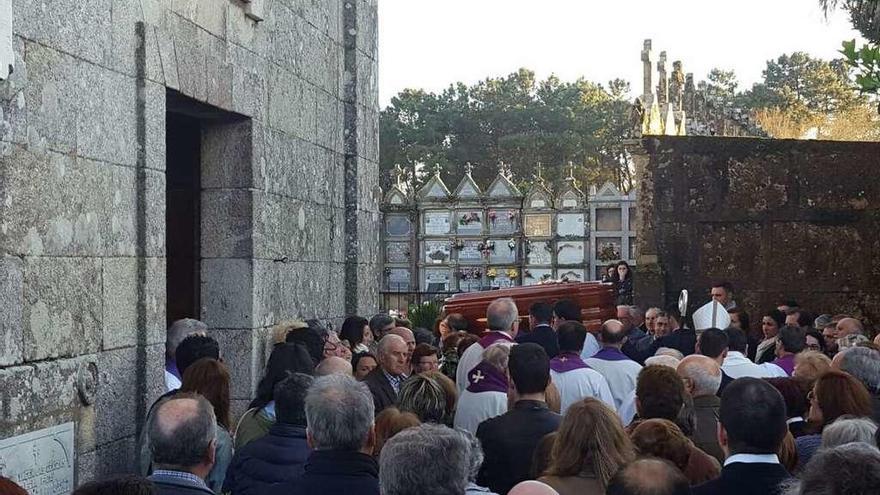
159 159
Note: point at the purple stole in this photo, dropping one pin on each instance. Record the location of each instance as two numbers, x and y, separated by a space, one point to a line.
611 354
786 363
494 337
486 378
567 361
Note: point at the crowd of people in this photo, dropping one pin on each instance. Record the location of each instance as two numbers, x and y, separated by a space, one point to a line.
641 405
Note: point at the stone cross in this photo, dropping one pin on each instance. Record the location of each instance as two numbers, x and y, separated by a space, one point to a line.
648 72
539 176
676 86
398 174
477 377
468 168
437 169
662 84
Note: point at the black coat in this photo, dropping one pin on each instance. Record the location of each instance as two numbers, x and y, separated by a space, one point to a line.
745 479
384 395
334 472
725 381
544 336
682 339
275 458
509 442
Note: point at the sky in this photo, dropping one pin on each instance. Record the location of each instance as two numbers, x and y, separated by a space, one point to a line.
429 44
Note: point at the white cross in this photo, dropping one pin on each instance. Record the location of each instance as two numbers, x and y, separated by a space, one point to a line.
563 359
476 377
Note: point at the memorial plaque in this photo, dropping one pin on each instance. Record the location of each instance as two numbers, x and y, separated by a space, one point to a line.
538 203
572 275
397 252
632 248
503 279
41 461
570 253
437 280
436 222
503 221
532 276
437 252
398 226
470 252
502 252
538 226
608 219
469 222
398 279
570 224
539 253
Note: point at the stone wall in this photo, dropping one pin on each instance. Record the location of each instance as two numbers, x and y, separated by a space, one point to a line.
777 218
290 216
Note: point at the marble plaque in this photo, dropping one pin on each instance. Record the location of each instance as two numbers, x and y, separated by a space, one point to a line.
503 223
397 252
437 280
437 252
538 203
502 252
436 222
469 222
470 284
536 275
41 461
539 254
538 226
398 226
608 219
570 224
502 280
572 275
570 253
398 279
470 253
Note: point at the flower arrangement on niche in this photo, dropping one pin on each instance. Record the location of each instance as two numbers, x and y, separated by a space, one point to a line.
608 251
469 218
512 273
456 244
486 247
492 272
473 273
511 244
527 273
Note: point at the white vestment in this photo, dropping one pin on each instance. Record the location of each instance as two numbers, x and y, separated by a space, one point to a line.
579 384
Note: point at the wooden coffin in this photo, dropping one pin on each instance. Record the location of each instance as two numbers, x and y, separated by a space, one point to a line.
597 302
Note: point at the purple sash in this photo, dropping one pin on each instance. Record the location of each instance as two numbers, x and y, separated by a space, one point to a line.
494 337
786 363
486 378
567 361
611 354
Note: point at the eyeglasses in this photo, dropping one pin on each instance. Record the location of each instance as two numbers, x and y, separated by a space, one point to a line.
814 347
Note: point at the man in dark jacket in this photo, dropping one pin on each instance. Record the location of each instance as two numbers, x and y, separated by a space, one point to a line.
509 440
182 433
339 414
752 418
540 332
281 454
384 381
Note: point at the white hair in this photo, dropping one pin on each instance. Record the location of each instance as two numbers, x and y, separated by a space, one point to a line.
849 429
663 360
668 351
501 314
704 381
446 451
498 354
339 413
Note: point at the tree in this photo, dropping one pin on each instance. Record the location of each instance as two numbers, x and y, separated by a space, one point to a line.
722 83
865 60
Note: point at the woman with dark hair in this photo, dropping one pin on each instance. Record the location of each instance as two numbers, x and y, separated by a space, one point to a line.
610 273
834 395
815 341
362 364
210 378
356 330
771 322
285 358
624 284
794 393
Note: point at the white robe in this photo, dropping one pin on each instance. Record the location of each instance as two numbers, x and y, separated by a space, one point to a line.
738 366
591 346
470 359
579 384
475 407
620 375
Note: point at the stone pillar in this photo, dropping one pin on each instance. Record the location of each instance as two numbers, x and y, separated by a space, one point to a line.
647 78
649 289
662 84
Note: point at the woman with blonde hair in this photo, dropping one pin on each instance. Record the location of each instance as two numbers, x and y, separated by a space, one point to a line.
589 448
810 365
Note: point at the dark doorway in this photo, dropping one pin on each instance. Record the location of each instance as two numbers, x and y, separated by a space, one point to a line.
183 135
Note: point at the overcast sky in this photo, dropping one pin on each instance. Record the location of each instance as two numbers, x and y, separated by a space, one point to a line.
432 43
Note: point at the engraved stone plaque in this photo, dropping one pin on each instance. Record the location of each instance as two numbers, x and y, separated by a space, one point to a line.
436 222
437 252
572 275
469 222
398 226
570 253
570 224
41 461
608 219
397 252
502 252
398 279
538 203
538 226
503 221
470 252
437 280
539 254
532 276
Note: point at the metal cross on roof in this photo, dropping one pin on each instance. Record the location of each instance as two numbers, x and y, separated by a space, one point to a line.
468 168
539 176
398 175
437 169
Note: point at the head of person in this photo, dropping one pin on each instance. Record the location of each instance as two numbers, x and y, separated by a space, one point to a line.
380 324
853 469
793 393
540 313
662 324
498 355
182 434
613 334
846 429
571 335
590 439
503 316
771 322
663 360
339 415
611 271
637 316
401 321
452 323
624 317
283 327
814 341
752 418
651 318
566 310
671 352
390 422
713 343
529 369
739 319
792 340
659 393
285 358
829 333
424 336
424 397
623 270
784 305
836 394
450 391
797 317
465 342
445 450
662 439
210 378
649 477
362 364
290 399
407 335
722 292
393 355
194 347
809 365
851 340
737 340
356 330
312 340
334 346
117 485
180 330
701 375
863 364
333 364
849 326
425 358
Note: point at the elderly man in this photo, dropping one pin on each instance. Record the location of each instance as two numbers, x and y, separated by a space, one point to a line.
651 319
792 340
425 460
862 363
634 335
502 319
486 395
384 381
339 415
648 477
637 315
619 371
849 326
180 467
333 364
178 331
571 375
853 469
702 378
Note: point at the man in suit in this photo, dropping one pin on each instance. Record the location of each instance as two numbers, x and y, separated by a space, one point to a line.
752 417
502 319
509 440
384 381
540 332
713 343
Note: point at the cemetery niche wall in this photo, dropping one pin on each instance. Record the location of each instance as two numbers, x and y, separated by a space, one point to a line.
438 240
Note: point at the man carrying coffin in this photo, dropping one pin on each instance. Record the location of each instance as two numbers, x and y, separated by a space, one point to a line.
502 319
571 375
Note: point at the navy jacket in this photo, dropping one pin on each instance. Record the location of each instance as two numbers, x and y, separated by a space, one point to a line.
275 458
745 479
543 335
334 472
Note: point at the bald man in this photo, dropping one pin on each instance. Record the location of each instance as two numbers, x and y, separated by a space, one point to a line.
619 371
532 487
333 365
648 477
702 378
182 467
409 337
502 319
849 326
384 381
